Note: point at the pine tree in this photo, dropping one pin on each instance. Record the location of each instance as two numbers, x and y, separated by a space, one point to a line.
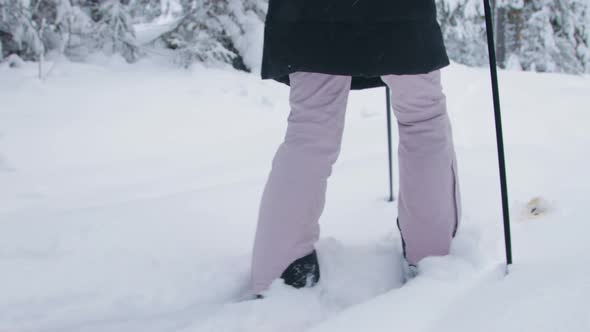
509 23
33 28
80 40
145 11
114 32
201 36
217 31
463 27
21 34
555 36
537 35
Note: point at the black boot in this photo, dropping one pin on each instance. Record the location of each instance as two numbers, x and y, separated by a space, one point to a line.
303 272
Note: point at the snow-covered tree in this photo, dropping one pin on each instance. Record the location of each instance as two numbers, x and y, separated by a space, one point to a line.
217 31
463 26
20 33
31 29
201 35
114 31
80 39
539 35
555 36
509 24
144 11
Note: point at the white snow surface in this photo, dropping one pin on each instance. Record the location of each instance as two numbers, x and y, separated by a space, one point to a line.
129 197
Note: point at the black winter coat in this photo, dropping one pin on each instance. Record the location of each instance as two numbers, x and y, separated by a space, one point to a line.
360 38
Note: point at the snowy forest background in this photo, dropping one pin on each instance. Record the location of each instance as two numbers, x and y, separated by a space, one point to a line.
532 35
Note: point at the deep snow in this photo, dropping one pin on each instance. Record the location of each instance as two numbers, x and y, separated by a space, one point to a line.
129 194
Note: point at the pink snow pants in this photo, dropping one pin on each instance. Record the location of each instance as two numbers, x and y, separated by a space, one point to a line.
294 196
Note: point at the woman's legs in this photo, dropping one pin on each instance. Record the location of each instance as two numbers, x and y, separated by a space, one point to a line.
294 196
429 198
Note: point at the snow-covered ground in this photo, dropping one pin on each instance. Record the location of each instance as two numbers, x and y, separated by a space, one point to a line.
129 195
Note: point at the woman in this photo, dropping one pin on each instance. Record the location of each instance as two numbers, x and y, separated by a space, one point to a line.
322 49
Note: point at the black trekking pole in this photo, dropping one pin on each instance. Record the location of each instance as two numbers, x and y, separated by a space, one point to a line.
388 110
499 135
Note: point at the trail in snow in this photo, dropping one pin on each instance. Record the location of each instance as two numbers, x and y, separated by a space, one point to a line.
129 195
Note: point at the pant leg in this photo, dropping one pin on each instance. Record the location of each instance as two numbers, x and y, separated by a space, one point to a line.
294 195
429 199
